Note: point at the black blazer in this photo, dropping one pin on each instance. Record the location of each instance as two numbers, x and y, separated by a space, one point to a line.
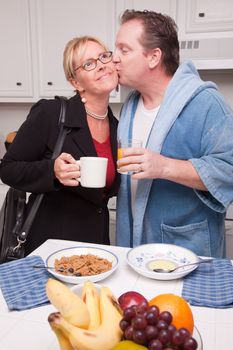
72 213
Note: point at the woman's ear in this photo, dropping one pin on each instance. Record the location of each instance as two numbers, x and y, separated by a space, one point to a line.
155 58
76 84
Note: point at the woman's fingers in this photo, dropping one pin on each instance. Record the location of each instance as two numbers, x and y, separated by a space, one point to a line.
66 170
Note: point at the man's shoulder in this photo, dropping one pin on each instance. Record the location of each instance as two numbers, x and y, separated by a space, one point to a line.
214 99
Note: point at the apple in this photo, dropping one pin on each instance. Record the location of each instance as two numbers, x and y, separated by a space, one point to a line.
130 298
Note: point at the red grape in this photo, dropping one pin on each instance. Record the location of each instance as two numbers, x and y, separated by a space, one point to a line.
139 322
152 318
155 344
139 336
129 313
164 336
128 333
177 338
124 324
162 325
190 344
166 316
151 332
184 333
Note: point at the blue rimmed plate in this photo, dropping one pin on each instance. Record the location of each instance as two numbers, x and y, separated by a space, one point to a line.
81 250
145 257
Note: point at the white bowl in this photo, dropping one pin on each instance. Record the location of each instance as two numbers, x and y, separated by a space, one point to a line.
78 288
197 336
81 250
140 257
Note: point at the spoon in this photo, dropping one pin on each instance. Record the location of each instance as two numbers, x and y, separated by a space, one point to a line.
43 267
70 271
168 270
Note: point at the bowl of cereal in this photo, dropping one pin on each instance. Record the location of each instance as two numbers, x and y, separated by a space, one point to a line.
78 264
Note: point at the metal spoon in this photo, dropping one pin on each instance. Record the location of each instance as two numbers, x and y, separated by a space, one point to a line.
161 270
71 273
43 267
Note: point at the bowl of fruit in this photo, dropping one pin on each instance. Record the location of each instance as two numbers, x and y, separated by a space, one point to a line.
91 317
164 322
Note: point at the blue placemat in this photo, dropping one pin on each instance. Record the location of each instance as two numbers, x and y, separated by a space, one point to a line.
210 285
23 287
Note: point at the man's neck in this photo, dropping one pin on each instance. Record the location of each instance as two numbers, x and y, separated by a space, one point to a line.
154 91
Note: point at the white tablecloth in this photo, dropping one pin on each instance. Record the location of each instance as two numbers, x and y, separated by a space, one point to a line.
29 330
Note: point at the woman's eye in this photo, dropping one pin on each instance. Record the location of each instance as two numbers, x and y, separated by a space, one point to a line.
87 64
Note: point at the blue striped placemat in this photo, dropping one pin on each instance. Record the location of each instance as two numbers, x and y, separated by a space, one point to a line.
23 287
210 285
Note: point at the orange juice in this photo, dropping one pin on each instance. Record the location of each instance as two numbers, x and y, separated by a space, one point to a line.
126 144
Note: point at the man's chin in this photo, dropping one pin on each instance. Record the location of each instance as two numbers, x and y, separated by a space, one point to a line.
121 81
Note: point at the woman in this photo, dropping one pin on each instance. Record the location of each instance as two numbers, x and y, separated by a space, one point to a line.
69 211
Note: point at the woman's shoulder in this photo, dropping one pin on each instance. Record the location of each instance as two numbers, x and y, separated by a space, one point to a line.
45 106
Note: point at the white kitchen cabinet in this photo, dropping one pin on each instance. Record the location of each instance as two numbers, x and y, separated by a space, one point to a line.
205 17
57 22
33 37
206 32
15 59
167 7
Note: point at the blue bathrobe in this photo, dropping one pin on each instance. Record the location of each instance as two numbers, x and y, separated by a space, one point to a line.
194 123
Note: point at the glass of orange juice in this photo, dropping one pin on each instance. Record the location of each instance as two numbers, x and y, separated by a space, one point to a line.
126 144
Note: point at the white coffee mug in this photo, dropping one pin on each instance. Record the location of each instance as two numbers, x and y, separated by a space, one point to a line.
93 171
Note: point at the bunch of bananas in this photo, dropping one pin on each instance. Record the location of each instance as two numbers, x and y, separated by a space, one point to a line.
89 322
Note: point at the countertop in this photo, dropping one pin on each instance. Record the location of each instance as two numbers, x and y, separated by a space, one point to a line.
29 330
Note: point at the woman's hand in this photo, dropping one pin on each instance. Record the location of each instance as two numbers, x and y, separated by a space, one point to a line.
67 170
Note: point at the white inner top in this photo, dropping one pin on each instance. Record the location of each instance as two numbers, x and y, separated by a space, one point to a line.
143 121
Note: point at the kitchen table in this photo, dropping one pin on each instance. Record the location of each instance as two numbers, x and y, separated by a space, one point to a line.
29 330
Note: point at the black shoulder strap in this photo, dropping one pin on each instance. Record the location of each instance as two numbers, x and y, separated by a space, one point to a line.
57 149
63 131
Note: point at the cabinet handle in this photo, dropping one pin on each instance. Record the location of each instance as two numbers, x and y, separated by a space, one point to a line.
201 14
50 83
18 83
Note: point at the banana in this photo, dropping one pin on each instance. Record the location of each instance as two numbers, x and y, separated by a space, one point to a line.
70 305
90 296
62 340
105 337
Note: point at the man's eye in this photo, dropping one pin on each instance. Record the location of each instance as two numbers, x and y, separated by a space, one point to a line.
124 50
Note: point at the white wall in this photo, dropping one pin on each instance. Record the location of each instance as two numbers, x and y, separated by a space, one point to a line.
13 115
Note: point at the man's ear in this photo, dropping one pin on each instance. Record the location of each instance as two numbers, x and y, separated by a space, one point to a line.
154 57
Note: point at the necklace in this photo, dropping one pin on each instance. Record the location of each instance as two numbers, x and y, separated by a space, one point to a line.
97 116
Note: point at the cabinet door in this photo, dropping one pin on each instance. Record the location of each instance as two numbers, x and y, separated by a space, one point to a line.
167 7
15 58
59 21
206 16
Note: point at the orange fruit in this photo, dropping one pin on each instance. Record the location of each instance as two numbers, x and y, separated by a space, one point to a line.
180 310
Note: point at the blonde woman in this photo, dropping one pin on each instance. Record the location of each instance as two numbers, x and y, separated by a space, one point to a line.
69 211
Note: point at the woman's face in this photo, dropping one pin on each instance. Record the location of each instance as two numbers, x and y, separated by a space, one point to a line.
99 81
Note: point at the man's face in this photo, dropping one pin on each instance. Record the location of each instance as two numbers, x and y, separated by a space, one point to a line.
129 56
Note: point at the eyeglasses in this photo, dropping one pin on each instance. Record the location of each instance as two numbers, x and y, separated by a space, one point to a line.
91 64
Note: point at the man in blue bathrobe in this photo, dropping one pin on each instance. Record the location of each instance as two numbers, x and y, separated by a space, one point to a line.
182 182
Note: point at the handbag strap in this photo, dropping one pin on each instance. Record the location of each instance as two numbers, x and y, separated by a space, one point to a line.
21 237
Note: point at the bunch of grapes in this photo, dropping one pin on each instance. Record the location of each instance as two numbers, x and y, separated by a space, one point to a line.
145 325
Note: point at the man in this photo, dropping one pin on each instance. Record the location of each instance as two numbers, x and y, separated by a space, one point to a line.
183 178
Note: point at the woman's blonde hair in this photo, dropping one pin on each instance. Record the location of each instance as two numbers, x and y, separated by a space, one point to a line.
76 47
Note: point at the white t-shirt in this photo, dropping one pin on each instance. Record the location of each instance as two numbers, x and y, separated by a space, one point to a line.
142 124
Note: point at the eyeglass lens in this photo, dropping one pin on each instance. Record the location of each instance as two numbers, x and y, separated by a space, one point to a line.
91 64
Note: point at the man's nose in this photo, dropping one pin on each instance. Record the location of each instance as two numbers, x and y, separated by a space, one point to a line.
115 57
